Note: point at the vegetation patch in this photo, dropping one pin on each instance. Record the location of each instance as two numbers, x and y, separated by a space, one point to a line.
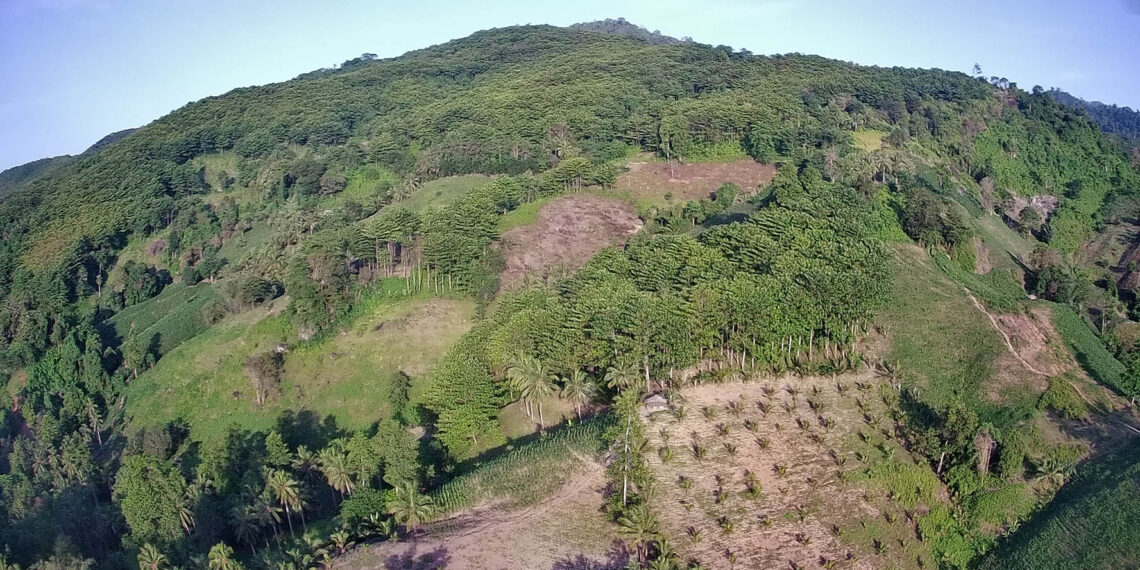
1088 349
169 319
1090 524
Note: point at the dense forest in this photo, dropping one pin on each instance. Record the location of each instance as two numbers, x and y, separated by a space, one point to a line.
327 160
1121 121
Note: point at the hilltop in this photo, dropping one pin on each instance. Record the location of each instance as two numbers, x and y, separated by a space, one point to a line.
891 312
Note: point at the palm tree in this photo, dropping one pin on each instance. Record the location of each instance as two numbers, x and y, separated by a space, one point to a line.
623 377
185 507
531 378
578 388
150 558
244 520
221 557
334 465
283 487
306 462
640 526
341 541
410 508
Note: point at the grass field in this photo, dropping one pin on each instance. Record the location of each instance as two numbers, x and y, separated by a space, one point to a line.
238 248
345 374
943 345
525 215
869 139
1002 241
1091 524
443 191
175 315
1087 348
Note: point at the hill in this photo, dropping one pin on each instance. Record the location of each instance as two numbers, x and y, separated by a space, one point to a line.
330 300
1121 121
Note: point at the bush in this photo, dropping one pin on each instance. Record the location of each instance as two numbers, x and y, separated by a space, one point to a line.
1062 397
363 504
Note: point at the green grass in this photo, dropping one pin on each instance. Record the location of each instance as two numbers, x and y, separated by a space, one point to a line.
238 248
443 191
868 139
345 374
944 346
725 151
525 215
175 315
1091 524
998 289
1088 349
529 474
1002 241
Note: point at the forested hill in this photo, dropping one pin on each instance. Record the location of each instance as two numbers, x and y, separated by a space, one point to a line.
1121 121
202 270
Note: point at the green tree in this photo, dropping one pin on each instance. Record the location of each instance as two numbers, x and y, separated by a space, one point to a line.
639 524
285 490
410 508
578 388
150 494
221 557
150 558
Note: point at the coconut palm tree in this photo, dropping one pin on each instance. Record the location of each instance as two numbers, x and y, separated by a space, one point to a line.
578 388
532 380
244 519
623 377
639 524
150 558
221 557
284 489
334 465
410 508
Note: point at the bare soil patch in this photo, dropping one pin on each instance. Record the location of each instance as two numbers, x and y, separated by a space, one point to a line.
566 532
652 180
794 458
568 231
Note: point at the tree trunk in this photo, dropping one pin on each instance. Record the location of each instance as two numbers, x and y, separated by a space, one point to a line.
289 517
541 421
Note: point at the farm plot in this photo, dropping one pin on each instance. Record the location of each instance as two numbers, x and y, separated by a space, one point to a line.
657 181
771 474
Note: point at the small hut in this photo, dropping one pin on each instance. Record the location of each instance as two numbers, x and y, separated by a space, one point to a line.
656 403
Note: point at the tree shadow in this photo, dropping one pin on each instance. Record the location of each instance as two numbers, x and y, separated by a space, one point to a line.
305 428
618 556
410 560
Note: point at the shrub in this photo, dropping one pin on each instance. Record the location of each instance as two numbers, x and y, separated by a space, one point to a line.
1062 397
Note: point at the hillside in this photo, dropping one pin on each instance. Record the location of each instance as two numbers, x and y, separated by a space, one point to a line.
1121 121
420 301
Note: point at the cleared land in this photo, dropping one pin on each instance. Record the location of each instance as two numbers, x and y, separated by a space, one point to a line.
345 375
651 181
755 476
566 232
537 507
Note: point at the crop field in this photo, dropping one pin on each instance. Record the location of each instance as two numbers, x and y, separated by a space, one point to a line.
789 472
1090 524
175 315
345 375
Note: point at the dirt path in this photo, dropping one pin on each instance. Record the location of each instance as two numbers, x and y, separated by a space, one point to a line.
1005 337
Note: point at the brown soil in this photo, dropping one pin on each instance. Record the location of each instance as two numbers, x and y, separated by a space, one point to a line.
982 264
567 532
568 231
652 180
769 530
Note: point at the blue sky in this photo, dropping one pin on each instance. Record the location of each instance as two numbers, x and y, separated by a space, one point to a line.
72 71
